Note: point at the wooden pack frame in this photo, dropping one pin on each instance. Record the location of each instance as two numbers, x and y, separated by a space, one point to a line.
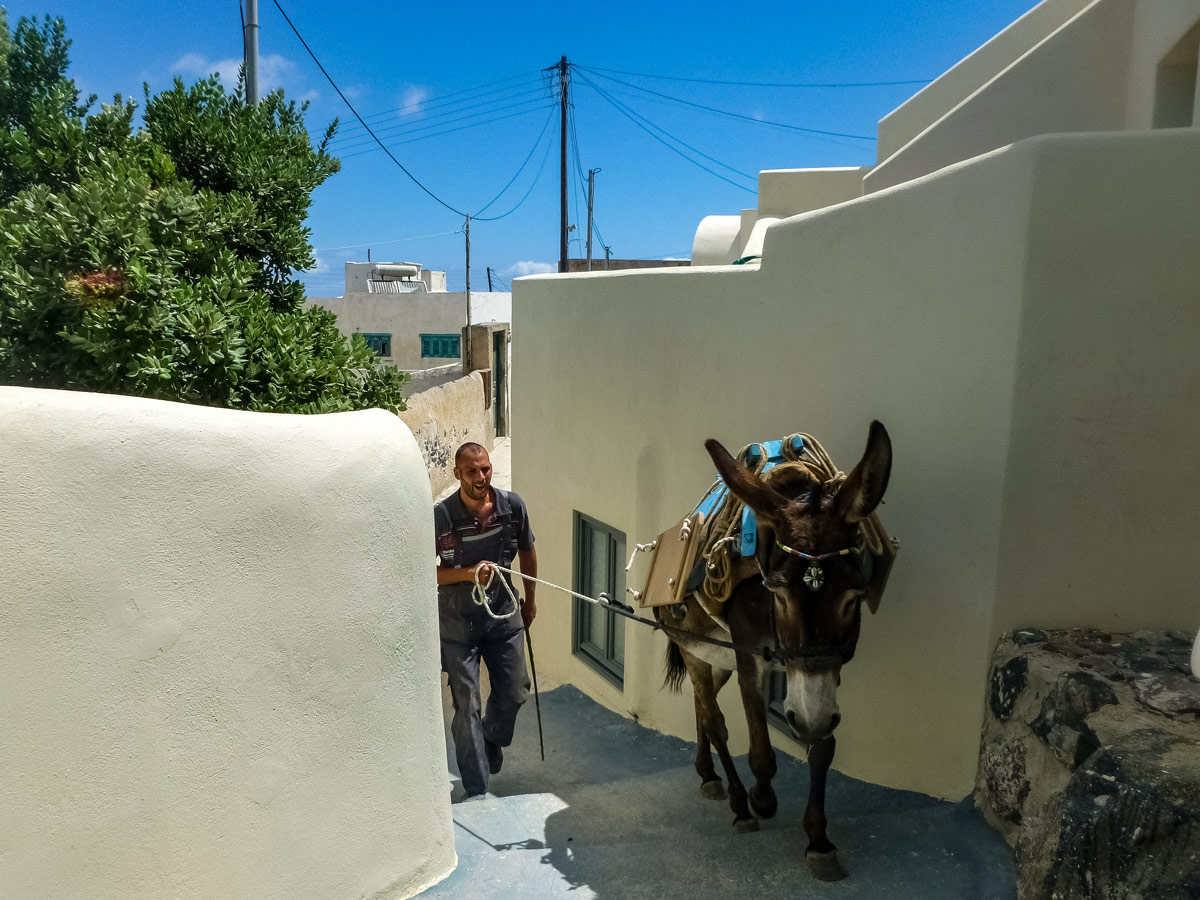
672 561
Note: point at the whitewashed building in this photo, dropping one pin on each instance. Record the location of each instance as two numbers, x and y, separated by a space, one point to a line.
407 316
1013 289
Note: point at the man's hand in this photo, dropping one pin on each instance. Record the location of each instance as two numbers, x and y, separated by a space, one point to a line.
528 559
451 575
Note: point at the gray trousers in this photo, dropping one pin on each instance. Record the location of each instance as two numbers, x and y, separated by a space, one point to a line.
504 656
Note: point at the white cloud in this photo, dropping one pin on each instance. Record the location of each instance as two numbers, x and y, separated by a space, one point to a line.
413 99
529 267
274 71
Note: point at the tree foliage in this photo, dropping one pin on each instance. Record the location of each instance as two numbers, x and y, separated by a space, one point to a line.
158 261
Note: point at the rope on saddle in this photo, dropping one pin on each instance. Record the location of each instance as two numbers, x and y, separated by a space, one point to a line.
721 529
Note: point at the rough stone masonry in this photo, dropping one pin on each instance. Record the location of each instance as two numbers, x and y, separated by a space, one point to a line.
1090 764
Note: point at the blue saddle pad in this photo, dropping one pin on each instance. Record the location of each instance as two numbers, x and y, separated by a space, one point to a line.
749 531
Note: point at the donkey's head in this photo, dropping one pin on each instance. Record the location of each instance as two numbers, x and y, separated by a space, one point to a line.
815 568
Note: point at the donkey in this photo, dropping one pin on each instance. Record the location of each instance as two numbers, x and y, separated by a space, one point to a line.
804 611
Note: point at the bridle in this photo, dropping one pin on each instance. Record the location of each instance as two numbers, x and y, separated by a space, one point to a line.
815 575
820 657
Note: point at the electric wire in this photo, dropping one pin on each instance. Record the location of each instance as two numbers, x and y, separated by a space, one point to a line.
635 117
524 163
418 124
734 115
420 237
448 131
574 135
528 191
771 84
350 105
638 116
413 131
346 100
442 100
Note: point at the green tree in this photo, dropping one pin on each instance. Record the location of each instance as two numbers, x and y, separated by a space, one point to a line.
158 261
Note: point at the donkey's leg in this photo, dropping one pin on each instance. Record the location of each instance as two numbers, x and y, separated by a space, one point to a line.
704 685
711 787
762 754
821 854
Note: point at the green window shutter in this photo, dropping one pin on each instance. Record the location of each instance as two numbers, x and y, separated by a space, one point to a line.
599 634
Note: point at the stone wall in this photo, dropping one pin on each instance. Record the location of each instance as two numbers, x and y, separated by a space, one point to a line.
1090 764
444 417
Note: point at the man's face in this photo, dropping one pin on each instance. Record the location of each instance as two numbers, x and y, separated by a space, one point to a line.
474 474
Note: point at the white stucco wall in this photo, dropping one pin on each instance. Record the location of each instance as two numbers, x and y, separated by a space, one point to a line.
1097 72
1025 340
963 79
489 306
218 655
789 192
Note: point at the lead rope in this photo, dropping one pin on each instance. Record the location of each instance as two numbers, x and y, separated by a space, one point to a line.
622 609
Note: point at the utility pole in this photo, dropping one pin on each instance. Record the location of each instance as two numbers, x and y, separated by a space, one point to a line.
467 342
489 271
591 195
562 172
250 51
607 252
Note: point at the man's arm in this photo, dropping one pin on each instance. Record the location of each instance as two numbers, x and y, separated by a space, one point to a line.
451 575
528 559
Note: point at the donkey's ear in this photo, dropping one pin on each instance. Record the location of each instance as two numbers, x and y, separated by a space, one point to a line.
863 488
745 485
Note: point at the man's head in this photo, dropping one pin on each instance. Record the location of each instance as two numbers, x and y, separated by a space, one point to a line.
473 469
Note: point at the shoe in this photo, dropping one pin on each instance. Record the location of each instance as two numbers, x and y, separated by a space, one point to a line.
495 756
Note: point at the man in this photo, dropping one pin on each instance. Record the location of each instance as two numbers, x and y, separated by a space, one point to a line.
477 526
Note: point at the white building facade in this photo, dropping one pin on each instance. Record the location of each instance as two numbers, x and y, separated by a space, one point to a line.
406 315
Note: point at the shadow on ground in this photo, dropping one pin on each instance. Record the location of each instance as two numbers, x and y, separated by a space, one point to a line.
615 812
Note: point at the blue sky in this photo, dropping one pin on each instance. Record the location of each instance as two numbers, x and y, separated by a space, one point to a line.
460 85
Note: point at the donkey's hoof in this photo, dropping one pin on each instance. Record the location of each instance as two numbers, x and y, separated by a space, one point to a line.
745 826
763 802
713 790
825 866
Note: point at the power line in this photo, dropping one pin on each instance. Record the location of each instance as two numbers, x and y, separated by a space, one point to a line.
579 169
350 105
420 237
772 84
329 78
425 137
441 125
528 191
733 115
419 124
524 163
634 117
443 99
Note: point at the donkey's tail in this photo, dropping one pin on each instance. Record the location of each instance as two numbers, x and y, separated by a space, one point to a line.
676 669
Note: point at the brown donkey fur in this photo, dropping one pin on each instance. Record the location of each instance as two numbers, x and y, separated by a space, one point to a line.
813 626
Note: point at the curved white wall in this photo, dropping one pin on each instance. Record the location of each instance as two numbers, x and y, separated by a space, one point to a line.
218 654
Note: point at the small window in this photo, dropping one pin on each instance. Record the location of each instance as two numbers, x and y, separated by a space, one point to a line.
442 346
379 344
599 635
